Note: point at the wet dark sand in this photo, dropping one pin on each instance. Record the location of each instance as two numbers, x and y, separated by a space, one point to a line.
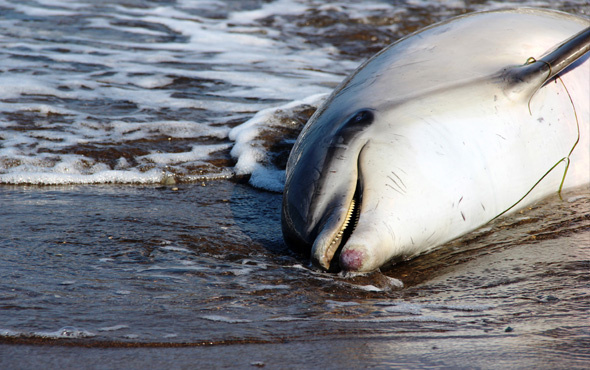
406 353
199 277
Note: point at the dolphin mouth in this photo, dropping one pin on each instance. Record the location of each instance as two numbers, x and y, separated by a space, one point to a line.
329 259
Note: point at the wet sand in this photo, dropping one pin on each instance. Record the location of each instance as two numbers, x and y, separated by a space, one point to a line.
401 353
198 276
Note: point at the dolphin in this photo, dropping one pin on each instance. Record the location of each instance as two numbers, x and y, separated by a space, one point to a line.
440 133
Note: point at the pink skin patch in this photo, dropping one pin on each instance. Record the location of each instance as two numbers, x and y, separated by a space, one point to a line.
351 260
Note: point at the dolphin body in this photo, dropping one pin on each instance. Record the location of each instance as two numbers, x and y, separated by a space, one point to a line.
438 134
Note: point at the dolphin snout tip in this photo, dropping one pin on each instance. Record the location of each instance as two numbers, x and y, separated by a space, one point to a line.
352 259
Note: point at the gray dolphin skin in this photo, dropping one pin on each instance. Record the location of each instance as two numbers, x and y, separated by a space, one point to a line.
439 133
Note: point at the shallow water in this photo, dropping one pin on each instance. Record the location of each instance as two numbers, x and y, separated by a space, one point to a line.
127 266
153 250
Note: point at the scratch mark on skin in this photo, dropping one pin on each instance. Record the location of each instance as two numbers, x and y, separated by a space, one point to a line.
501 137
390 231
376 205
460 200
431 235
482 206
462 215
395 189
399 178
404 172
401 189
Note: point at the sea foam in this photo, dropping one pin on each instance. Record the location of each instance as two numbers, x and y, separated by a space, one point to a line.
250 151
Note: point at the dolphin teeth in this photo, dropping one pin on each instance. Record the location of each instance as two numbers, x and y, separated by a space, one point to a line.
329 259
349 216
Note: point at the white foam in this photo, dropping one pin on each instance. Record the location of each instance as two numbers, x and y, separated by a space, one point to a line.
460 307
405 308
9 333
272 8
332 304
225 319
198 152
177 249
240 272
139 73
65 332
388 319
270 287
35 11
114 327
186 266
288 319
268 179
60 177
251 155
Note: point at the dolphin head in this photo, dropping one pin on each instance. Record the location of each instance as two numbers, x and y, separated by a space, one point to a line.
323 188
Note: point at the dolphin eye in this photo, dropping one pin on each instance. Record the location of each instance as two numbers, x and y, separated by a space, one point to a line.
354 126
362 117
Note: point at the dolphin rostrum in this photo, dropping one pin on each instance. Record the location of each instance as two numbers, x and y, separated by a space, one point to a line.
438 134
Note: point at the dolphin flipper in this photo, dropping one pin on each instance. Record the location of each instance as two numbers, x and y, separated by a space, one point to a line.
528 78
567 52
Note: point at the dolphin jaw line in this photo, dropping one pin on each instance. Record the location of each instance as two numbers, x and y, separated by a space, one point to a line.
351 219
